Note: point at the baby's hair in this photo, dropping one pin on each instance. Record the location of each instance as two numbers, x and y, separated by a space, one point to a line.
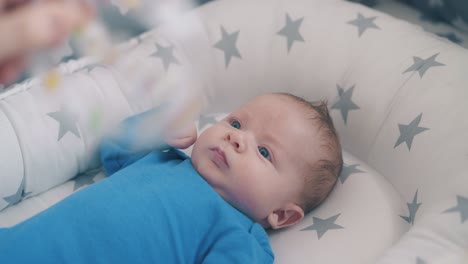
322 175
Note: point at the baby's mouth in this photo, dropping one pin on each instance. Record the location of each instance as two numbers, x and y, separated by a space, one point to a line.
219 157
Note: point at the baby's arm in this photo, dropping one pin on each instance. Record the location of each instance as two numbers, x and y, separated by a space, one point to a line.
240 247
118 150
114 156
136 137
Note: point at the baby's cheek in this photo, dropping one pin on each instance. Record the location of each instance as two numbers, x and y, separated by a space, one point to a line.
255 196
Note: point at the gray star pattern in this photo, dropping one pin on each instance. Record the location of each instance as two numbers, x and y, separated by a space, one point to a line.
422 65
461 207
323 225
67 120
412 208
363 23
167 55
206 120
18 196
408 132
420 261
291 31
347 171
345 104
228 45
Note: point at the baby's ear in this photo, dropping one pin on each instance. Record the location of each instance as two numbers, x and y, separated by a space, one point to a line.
286 216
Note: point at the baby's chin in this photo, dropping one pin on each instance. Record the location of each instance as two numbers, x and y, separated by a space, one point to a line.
212 178
203 170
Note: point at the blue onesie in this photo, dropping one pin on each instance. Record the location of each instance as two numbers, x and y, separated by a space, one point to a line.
155 208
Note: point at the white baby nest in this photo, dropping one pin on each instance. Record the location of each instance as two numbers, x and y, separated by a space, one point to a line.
397 95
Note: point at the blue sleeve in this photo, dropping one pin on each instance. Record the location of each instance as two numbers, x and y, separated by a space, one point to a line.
240 247
131 142
115 155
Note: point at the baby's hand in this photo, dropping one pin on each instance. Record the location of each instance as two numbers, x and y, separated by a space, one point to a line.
184 138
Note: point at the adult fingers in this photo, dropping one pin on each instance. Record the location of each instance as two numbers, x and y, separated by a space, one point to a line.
8 5
41 25
11 69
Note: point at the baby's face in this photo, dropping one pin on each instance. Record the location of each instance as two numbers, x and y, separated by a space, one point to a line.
252 158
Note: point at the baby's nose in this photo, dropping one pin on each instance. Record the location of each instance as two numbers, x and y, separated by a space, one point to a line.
237 140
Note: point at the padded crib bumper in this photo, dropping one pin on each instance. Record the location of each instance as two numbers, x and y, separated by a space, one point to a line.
396 93
47 138
12 170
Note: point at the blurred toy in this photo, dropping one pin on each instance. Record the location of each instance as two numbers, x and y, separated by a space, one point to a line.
177 90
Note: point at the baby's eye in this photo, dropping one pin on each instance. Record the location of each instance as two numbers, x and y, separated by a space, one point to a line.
235 124
264 152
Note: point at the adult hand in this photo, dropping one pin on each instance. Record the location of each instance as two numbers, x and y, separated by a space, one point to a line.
27 26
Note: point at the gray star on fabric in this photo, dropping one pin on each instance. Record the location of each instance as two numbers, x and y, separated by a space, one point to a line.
84 179
228 45
344 103
67 120
420 261
20 194
206 120
408 132
435 3
363 23
291 31
347 171
412 208
422 65
167 55
461 207
323 225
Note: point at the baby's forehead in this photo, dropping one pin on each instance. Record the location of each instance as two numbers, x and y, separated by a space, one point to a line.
280 112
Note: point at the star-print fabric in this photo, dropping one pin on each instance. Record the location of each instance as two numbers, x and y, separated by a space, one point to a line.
397 95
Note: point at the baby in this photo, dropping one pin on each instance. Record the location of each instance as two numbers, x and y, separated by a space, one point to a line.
264 166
